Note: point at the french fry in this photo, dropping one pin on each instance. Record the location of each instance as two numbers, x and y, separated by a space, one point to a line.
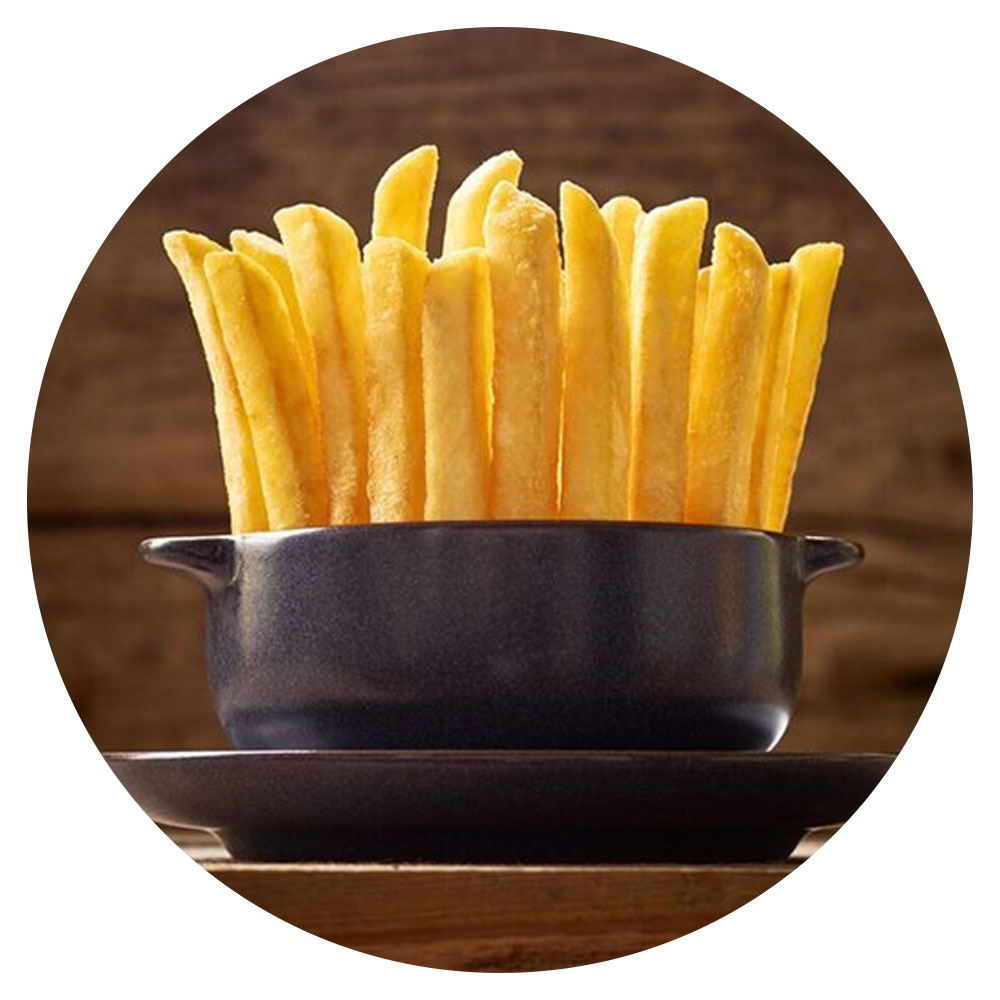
271 256
187 252
326 268
664 293
463 226
595 449
624 216
271 375
725 381
701 301
770 398
403 197
814 277
394 275
522 243
457 336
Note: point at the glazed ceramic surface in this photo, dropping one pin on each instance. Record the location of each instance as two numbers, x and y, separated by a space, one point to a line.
555 635
501 806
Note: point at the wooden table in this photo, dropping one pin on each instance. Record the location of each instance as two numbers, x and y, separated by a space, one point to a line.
494 918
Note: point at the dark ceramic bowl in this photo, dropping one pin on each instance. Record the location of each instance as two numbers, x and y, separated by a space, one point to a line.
594 635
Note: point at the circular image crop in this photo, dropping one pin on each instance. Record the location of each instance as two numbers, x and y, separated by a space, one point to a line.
468 398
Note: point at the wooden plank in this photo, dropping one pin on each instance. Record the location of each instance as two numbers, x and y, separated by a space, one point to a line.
498 919
128 639
124 420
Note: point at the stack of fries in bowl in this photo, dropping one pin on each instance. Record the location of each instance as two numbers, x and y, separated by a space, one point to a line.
500 381
574 459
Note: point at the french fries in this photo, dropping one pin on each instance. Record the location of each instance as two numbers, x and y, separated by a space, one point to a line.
770 401
457 342
272 381
394 275
403 197
326 268
595 449
502 381
814 277
624 216
463 226
522 243
271 256
187 252
725 380
665 280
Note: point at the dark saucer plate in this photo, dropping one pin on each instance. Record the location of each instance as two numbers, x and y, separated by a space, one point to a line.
522 806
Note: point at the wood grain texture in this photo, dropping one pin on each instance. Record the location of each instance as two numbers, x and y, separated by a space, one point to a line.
494 919
128 640
124 442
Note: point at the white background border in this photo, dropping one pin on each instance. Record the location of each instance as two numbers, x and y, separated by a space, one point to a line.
97 98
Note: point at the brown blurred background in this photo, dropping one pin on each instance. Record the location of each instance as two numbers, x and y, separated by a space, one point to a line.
124 441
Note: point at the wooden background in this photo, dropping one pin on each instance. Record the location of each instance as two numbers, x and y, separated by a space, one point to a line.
124 441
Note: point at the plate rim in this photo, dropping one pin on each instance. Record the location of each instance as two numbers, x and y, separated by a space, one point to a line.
481 755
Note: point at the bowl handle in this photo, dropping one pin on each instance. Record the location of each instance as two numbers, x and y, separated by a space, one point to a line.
209 559
819 555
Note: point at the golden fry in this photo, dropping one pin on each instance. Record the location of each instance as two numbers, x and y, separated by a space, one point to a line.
271 375
701 302
467 207
187 252
403 197
725 381
814 277
595 451
770 400
394 276
326 268
624 216
457 334
664 292
271 256
522 242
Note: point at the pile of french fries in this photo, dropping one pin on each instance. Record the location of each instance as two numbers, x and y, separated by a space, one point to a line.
510 378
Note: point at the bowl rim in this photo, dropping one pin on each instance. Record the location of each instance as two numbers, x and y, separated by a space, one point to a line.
521 525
